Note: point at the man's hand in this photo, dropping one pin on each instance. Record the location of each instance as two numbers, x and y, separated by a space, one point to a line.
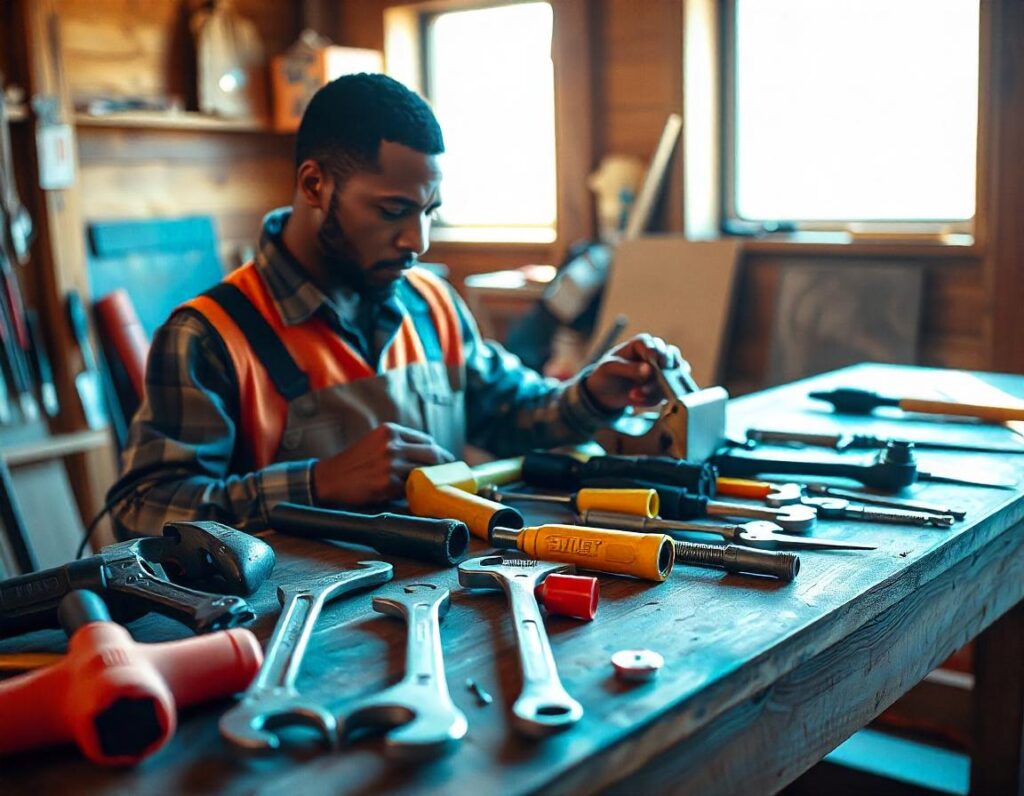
623 376
374 469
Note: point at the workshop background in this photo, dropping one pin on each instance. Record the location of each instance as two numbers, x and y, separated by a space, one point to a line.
148 134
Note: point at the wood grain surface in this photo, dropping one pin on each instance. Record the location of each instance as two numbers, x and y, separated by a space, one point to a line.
761 679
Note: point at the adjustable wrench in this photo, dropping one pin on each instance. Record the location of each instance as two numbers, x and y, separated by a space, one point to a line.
840 508
543 706
271 701
417 711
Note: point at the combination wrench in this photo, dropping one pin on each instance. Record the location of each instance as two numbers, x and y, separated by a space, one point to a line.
543 706
272 702
417 711
838 508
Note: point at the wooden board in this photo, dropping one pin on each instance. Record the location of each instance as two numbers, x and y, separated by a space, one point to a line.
761 679
678 289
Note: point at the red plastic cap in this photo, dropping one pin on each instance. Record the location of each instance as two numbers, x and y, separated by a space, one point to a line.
569 595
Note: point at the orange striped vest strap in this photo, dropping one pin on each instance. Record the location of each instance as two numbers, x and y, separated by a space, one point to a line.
275 363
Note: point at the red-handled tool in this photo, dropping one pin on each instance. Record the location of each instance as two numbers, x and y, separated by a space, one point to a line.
115 698
568 595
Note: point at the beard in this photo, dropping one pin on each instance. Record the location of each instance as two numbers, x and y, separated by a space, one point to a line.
342 265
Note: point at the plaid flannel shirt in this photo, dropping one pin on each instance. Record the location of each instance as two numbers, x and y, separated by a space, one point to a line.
181 461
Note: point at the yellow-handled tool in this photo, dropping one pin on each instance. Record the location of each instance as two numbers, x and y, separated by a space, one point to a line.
849 400
641 502
448 491
642 555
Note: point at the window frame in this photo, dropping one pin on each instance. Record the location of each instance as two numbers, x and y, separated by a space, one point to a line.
954 232
572 29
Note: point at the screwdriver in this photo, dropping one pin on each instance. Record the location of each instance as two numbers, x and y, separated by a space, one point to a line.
738 559
641 502
642 555
439 541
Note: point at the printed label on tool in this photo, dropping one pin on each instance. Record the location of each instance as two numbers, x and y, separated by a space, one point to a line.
573 544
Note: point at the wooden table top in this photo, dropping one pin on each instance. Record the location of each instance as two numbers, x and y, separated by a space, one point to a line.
733 646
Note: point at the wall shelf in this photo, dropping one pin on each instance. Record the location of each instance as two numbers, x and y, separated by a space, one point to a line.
180 120
55 447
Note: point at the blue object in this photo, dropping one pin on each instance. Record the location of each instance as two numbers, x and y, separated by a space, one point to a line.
160 262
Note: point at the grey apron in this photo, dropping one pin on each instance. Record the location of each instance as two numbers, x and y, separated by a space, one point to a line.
427 396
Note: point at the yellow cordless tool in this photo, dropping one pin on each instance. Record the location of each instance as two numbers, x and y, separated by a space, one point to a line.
647 556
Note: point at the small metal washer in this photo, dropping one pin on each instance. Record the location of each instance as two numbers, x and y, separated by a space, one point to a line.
637 665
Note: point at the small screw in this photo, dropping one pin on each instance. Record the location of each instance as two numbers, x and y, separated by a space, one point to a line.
482 696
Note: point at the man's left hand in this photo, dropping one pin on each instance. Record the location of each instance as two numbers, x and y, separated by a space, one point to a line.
623 377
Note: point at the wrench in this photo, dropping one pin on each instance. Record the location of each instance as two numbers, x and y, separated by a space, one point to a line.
839 508
543 706
791 517
881 500
417 711
272 702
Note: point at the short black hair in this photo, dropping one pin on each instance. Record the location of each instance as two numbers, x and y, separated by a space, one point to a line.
348 118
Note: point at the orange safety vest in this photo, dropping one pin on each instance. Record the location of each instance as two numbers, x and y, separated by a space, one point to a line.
318 351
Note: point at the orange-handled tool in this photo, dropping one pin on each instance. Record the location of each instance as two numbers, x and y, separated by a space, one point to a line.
641 502
113 697
647 556
744 488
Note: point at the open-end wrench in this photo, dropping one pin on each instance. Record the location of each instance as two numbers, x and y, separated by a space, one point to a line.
272 702
760 533
836 508
417 711
881 500
543 706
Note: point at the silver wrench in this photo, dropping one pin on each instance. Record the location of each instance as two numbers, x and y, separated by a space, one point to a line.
797 518
882 500
840 508
417 711
272 702
543 706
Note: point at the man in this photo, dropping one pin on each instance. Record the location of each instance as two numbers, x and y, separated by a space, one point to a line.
328 368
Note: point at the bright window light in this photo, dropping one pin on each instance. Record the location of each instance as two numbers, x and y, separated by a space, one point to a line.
491 84
856 110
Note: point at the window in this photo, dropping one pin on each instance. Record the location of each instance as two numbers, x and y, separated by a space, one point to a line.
490 80
839 111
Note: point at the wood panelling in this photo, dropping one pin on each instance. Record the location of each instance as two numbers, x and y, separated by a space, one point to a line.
132 48
235 178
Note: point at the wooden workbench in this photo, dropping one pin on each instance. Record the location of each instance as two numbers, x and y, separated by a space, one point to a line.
761 679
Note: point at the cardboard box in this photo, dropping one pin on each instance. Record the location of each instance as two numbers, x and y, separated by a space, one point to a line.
298 73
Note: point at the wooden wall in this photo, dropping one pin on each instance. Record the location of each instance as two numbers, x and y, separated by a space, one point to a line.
145 48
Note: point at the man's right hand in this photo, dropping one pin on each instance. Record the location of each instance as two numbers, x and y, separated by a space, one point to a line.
374 468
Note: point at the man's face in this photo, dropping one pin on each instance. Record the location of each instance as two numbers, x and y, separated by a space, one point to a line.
378 223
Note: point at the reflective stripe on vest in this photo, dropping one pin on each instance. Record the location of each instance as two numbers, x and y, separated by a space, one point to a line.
318 351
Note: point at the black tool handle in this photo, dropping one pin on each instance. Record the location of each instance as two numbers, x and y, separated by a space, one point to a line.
29 602
439 541
201 611
81 607
891 476
560 471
